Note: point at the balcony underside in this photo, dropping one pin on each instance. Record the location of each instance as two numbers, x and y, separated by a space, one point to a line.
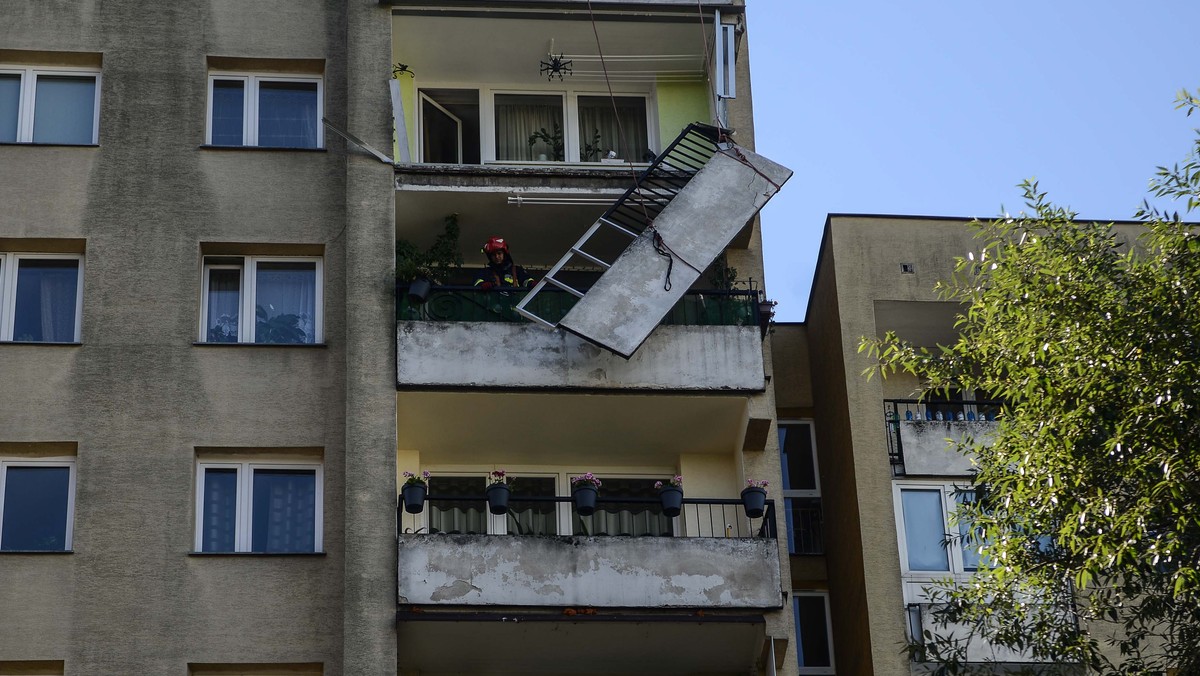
640 645
600 572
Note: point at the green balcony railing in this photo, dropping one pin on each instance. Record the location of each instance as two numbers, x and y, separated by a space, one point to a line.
470 304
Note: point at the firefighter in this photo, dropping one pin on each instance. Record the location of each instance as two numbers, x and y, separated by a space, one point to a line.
501 272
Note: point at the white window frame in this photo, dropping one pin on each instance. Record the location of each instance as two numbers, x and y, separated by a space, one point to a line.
69 462
570 96
28 96
831 669
244 505
947 490
248 293
786 493
9 266
250 104
423 98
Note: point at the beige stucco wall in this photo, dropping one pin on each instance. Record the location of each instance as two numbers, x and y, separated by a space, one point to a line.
137 396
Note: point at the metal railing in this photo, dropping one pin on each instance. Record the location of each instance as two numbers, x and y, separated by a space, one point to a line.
639 517
805 526
898 411
472 304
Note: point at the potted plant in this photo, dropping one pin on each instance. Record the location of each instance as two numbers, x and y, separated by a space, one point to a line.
754 497
671 495
422 269
554 139
584 489
497 492
413 491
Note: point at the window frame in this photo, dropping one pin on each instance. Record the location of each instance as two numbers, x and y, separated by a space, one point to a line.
250 106
824 596
948 490
27 97
10 265
243 537
248 294
788 493
59 461
570 96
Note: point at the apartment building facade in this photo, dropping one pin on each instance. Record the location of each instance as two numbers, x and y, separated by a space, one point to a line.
215 379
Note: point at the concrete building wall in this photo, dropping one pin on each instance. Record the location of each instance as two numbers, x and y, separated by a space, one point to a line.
136 396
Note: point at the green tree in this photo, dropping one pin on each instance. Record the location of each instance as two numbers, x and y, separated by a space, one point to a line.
1088 498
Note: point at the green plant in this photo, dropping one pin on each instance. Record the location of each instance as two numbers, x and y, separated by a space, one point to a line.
436 263
282 328
553 139
590 152
722 275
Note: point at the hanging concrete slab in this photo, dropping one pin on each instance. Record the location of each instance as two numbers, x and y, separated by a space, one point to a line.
630 299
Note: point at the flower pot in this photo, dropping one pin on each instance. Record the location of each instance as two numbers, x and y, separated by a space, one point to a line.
414 498
418 291
585 500
672 500
497 497
754 500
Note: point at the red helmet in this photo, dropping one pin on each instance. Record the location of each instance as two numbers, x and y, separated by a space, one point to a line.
495 244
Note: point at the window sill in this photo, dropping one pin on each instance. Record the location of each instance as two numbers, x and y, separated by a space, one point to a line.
40 342
36 551
50 145
207 146
286 345
257 554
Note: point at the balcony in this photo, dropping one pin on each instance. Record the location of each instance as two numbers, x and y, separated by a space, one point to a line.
626 555
710 341
923 434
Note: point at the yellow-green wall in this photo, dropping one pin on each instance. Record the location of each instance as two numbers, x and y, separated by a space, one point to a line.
408 97
680 104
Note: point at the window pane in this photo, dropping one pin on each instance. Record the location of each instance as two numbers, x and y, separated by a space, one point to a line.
228 107
10 105
219 520
35 509
614 517
804 525
529 127
285 305
795 443
602 130
45 304
285 510
458 516
924 530
64 109
531 518
287 114
224 296
812 646
969 541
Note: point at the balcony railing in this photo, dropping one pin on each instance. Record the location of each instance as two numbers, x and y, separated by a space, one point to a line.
911 413
637 517
471 304
805 526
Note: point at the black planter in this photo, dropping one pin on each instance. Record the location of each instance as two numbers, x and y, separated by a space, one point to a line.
585 500
672 500
414 498
754 500
497 497
418 290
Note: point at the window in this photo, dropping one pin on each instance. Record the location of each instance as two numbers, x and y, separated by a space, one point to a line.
470 126
814 640
40 297
269 111
49 105
253 299
258 507
256 669
927 545
801 488
31 668
37 504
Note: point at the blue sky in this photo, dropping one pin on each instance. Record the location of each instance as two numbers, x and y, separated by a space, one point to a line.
942 108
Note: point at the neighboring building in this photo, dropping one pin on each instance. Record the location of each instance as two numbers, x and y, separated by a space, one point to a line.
211 386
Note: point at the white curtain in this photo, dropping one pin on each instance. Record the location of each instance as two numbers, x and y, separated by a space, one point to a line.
224 298
45 305
285 511
518 116
10 99
287 114
623 132
285 302
64 109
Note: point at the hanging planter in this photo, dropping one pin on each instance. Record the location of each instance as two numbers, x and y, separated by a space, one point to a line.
498 493
413 492
670 494
418 290
754 498
584 490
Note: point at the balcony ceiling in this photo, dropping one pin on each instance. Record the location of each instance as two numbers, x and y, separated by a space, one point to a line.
507 50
